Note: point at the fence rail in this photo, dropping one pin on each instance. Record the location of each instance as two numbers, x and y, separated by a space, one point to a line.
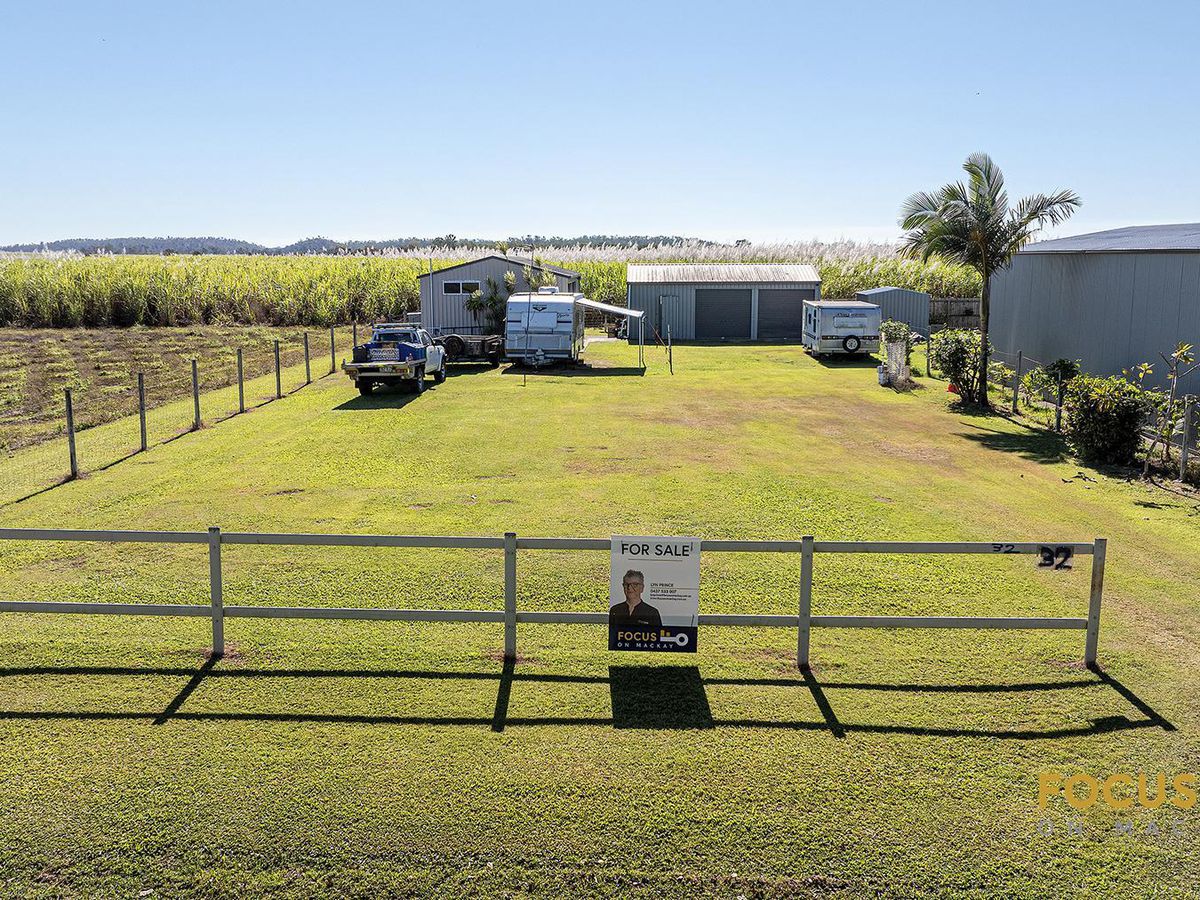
803 621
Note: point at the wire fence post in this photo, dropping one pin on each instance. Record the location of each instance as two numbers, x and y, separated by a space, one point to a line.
670 352
354 333
332 352
142 407
71 434
241 384
1093 621
1189 411
1017 379
307 368
510 595
195 395
805 629
215 592
278 381
1058 400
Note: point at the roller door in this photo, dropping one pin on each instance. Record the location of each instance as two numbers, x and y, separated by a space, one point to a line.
781 312
722 314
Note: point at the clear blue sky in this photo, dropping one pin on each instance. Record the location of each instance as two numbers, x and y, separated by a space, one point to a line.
272 122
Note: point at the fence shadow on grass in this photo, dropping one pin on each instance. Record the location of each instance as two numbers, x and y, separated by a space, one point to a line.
1038 446
642 697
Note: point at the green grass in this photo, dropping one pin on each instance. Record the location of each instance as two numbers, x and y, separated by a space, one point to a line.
370 758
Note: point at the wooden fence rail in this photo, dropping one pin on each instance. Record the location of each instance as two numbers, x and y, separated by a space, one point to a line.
510 616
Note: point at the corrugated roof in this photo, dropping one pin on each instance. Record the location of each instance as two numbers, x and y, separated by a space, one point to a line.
1182 237
515 260
706 273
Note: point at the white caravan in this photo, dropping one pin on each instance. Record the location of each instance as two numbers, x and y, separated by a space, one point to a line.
841 326
544 327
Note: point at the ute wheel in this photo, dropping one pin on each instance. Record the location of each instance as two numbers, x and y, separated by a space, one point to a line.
364 387
852 344
455 346
440 375
419 382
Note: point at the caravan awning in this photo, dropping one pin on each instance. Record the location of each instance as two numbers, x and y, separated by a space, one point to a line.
610 309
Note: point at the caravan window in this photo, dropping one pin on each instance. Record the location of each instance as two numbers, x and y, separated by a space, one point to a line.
850 320
543 321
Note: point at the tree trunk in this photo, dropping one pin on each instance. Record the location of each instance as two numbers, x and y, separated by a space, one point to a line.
985 349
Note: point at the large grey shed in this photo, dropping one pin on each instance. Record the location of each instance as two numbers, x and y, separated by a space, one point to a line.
1111 299
444 292
900 305
723 301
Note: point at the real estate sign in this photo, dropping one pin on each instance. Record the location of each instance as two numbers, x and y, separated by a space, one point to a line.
654 594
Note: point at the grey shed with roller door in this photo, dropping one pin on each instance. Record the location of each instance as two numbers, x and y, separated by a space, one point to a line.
900 305
724 301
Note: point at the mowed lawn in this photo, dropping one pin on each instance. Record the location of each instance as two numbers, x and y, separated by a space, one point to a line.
367 758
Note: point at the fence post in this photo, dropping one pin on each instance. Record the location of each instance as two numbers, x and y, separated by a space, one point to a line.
1093 626
354 337
241 385
332 352
195 395
278 383
215 592
71 434
1189 411
1058 404
1017 380
806 573
142 407
307 368
510 595
670 353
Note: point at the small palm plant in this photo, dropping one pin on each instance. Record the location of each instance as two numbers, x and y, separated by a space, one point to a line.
973 224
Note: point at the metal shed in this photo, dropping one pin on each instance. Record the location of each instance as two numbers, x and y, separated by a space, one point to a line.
444 292
1111 299
900 305
723 302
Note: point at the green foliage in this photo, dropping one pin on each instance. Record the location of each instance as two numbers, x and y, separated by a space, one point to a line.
892 331
39 292
955 353
1104 418
1066 369
999 373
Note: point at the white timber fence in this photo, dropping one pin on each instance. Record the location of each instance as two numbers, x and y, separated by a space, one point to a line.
1052 554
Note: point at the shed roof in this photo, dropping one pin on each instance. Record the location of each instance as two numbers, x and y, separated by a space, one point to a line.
1184 237
705 273
515 260
871 292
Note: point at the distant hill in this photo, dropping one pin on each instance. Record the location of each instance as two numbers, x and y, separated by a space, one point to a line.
323 245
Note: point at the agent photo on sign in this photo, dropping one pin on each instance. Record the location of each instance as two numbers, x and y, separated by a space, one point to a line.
633 610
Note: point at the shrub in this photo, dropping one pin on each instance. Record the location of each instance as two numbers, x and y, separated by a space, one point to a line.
999 373
1104 418
955 353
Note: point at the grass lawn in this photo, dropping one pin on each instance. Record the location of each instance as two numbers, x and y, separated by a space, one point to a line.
371 758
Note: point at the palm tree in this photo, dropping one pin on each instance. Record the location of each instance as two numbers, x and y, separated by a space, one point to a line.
972 224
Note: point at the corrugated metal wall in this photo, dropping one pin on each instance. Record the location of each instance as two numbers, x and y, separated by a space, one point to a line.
1110 310
446 313
901 305
678 304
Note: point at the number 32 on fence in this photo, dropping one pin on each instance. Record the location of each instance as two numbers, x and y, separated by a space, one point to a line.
1058 558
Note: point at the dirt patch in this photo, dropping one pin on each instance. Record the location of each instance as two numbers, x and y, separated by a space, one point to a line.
286 491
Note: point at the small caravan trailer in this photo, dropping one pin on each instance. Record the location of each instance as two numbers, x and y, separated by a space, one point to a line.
841 326
544 327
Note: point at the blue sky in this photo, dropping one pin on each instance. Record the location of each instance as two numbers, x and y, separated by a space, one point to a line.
273 122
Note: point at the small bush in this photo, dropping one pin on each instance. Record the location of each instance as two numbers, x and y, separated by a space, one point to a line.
955 353
1104 418
999 373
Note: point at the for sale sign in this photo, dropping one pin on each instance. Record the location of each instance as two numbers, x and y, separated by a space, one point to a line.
654 594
